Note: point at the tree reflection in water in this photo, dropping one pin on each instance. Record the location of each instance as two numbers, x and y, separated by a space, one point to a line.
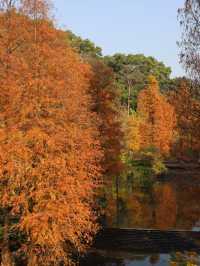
170 205
173 204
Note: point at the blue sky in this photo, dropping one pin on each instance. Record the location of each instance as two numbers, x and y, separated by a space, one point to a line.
126 26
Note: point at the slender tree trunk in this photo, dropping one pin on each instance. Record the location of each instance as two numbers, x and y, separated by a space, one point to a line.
129 96
117 200
32 259
6 256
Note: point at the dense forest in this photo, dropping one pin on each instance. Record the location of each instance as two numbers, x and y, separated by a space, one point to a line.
76 127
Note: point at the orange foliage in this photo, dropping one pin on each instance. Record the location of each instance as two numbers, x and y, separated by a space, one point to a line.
106 105
49 152
187 109
158 118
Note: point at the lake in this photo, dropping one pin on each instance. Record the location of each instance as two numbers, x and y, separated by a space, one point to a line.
173 204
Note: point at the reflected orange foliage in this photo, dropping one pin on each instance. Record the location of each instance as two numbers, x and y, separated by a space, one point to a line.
165 207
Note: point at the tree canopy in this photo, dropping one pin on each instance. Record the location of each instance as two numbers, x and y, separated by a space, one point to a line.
158 118
85 47
133 70
50 151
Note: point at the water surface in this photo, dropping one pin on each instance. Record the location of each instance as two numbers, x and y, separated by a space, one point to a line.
172 204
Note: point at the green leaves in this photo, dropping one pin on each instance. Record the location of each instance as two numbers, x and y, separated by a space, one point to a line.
84 46
133 70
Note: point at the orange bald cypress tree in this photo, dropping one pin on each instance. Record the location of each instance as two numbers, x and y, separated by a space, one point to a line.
107 107
49 152
187 107
158 118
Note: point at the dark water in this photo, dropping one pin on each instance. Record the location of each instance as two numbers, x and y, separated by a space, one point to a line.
171 204
129 259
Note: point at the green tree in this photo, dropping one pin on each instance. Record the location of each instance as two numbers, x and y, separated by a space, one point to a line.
132 73
84 46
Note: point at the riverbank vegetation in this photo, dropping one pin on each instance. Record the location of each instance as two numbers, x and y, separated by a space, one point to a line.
78 129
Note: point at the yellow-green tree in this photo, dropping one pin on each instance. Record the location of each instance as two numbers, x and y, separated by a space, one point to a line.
133 137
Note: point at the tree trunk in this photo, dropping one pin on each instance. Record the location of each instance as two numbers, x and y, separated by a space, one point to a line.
32 260
117 200
129 96
6 256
